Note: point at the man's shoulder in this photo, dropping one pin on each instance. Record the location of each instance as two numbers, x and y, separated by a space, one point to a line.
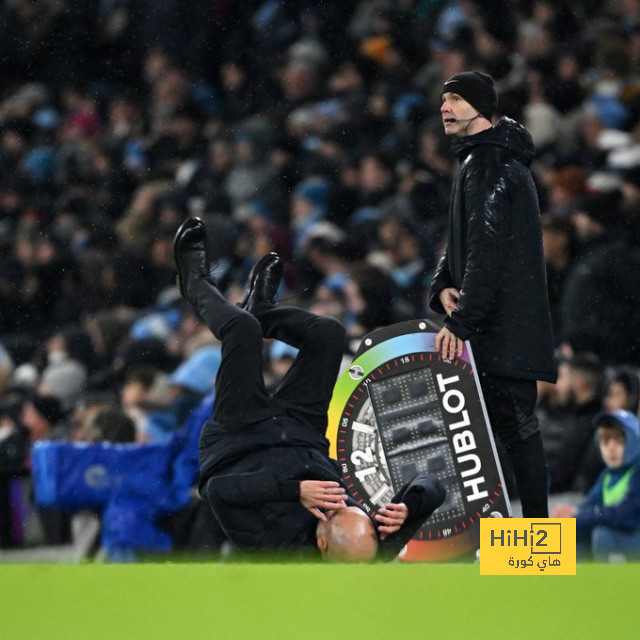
491 157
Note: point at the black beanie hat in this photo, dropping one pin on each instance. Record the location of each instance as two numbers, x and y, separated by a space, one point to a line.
48 407
476 88
603 207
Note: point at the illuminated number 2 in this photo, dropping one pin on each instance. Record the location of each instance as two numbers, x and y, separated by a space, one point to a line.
544 536
360 457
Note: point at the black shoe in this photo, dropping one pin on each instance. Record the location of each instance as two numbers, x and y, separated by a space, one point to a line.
264 281
190 254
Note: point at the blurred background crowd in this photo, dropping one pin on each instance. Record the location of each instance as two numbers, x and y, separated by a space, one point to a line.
307 128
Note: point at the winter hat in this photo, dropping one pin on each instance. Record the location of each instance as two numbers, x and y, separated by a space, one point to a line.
65 380
603 207
316 191
86 123
610 111
260 209
476 88
378 48
629 377
79 344
410 107
151 351
48 407
543 122
280 350
198 373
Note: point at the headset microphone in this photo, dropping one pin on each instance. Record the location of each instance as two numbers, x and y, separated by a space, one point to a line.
468 119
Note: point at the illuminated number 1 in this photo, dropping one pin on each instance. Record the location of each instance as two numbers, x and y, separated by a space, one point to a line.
363 473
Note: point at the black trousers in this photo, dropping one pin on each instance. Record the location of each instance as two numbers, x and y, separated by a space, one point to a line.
511 407
241 396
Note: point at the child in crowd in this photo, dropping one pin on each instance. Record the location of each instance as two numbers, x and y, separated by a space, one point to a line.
608 521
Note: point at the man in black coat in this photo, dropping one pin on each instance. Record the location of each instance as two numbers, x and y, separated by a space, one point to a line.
601 291
567 429
491 281
264 463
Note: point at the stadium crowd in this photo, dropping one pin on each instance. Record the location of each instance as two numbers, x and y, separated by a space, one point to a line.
307 128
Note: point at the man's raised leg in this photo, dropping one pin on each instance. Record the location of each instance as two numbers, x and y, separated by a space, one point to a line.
241 397
306 390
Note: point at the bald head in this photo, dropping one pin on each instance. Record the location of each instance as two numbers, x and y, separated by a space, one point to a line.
348 536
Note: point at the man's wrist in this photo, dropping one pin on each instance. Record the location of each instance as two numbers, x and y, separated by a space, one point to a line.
411 501
289 490
457 328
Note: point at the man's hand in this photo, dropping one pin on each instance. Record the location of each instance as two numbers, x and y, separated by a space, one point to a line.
391 518
322 494
449 344
449 299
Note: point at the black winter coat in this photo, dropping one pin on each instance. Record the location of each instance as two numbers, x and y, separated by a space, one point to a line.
256 500
568 438
494 256
601 294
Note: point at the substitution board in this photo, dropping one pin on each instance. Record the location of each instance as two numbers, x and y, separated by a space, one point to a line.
400 410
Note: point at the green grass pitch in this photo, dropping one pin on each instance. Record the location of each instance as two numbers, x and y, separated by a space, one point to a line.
308 601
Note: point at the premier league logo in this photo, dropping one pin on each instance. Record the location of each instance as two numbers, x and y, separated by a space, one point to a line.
401 410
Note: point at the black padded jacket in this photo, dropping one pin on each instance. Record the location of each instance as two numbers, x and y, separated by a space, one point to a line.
494 256
257 501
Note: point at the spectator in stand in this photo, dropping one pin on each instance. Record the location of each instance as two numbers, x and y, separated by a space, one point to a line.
328 254
566 186
558 245
111 425
144 390
568 432
377 183
623 391
608 521
403 258
369 298
308 208
69 357
602 288
43 417
281 357
85 411
14 454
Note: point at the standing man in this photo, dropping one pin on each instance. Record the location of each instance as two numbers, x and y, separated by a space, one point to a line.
491 281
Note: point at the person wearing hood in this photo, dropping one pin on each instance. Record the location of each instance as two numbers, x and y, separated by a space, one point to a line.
491 280
608 521
601 290
623 390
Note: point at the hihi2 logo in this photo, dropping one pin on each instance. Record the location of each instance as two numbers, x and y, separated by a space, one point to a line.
527 546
